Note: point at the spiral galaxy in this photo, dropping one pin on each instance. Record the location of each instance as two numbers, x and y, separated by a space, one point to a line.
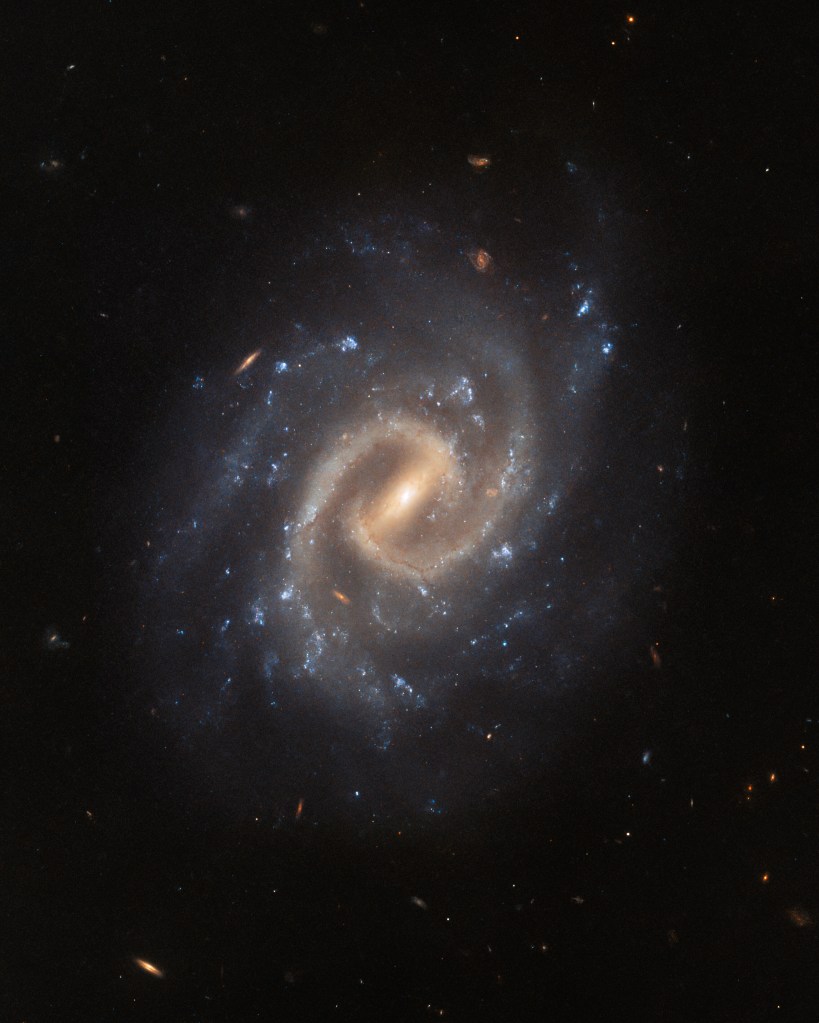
415 490
399 517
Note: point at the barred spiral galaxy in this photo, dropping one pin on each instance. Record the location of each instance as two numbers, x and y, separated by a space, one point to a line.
417 486
398 515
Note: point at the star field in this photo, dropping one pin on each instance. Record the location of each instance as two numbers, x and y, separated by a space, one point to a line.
409 537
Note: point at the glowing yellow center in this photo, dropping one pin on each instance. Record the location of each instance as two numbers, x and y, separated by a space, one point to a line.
406 494
400 499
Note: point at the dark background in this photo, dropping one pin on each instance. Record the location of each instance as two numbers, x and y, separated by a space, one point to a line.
138 187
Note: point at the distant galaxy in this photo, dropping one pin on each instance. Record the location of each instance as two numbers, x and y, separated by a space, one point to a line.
401 523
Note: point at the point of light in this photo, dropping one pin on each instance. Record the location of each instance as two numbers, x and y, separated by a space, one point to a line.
408 491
